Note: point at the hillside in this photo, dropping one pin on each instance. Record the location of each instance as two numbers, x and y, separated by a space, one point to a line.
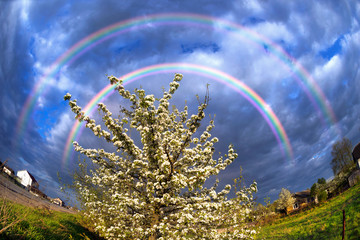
40 223
26 216
322 222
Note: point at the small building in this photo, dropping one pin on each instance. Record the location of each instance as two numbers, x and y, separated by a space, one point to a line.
8 171
58 201
356 155
354 178
37 192
302 199
27 180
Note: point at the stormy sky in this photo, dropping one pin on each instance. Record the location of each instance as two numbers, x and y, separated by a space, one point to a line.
301 57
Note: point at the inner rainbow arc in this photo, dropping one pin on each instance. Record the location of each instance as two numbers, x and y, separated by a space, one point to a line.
214 74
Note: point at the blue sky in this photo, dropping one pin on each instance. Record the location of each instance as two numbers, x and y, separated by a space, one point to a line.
323 37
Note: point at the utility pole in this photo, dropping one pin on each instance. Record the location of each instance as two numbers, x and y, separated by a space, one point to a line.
343 232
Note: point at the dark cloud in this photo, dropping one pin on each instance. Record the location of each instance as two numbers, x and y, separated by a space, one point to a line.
322 36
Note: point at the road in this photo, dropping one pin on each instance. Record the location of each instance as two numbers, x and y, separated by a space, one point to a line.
15 193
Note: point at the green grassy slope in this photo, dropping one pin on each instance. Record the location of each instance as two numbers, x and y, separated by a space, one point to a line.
41 224
322 222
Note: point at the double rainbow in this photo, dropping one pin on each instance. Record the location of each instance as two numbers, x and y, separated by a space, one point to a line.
303 78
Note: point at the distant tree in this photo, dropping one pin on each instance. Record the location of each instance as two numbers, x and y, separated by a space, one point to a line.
155 189
341 156
263 210
321 181
322 196
267 202
318 187
275 206
285 199
314 190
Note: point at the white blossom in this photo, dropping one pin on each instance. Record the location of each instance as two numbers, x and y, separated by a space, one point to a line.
157 190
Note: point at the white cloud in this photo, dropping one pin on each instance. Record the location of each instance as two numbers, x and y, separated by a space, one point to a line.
253 6
58 133
273 191
330 71
8 30
24 14
352 41
327 75
205 58
263 70
49 45
40 102
66 83
328 19
275 31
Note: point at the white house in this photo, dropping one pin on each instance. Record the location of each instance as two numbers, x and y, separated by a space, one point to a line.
27 179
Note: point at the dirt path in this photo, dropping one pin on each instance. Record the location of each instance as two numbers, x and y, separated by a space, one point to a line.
15 193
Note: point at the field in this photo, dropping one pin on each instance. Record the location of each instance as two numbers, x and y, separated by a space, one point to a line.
40 223
322 222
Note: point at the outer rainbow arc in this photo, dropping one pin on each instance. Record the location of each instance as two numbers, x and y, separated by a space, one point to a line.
224 78
311 88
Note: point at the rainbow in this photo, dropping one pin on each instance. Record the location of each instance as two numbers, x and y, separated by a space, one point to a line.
304 79
221 77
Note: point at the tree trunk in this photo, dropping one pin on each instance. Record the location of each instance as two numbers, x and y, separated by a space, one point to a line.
155 221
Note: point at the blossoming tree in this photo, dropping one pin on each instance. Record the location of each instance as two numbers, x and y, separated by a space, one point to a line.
286 200
155 189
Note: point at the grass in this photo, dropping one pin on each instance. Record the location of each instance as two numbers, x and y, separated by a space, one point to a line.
321 222
41 224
